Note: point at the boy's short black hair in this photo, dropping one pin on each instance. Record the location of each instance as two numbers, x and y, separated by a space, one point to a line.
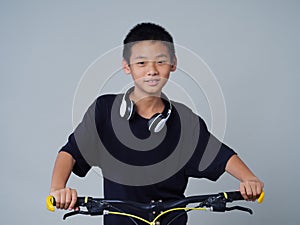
145 32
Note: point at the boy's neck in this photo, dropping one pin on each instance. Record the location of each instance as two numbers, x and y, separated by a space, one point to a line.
147 106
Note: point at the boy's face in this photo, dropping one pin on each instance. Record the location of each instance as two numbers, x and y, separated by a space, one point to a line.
150 66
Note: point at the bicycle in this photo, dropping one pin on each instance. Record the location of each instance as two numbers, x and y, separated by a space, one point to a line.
211 202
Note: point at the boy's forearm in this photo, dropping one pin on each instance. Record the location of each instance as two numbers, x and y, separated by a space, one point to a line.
237 168
61 172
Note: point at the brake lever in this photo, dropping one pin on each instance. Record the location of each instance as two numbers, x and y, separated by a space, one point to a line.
75 213
93 209
240 208
218 204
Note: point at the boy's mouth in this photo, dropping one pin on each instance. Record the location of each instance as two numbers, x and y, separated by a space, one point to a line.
152 82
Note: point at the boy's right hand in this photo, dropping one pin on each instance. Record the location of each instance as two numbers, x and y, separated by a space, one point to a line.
65 198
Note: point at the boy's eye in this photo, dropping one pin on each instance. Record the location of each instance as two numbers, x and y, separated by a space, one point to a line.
162 62
141 63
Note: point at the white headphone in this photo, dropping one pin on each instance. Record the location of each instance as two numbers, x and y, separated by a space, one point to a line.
155 123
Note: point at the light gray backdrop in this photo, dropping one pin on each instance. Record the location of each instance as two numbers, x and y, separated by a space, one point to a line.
252 47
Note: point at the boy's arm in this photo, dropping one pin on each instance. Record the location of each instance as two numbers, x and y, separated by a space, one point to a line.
250 186
65 198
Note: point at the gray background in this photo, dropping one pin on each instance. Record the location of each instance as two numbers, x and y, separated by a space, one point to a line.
251 46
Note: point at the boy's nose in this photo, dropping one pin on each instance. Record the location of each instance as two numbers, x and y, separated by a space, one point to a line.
152 70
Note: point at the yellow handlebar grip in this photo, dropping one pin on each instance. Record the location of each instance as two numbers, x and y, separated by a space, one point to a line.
50 203
261 197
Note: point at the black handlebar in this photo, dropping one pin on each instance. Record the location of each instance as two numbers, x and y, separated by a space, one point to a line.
228 196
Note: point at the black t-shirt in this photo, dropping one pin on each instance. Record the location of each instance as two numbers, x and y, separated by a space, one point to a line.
141 166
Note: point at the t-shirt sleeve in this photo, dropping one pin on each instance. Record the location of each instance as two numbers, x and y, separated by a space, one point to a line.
210 157
81 167
82 143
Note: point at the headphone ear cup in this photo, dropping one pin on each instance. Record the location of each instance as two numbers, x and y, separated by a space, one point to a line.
123 108
156 123
127 109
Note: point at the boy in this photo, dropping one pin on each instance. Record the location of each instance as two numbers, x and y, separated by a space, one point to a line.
143 129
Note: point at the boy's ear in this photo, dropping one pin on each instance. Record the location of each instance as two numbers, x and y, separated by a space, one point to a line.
174 64
126 67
